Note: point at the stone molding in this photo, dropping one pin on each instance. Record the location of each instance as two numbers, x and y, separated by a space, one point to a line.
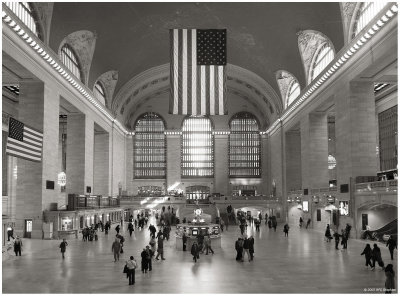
44 14
109 81
284 79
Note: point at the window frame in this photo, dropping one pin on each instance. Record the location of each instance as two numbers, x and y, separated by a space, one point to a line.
289 92
101 90
257 154
148 153
187 155
317 61
68 53
366 19
23 10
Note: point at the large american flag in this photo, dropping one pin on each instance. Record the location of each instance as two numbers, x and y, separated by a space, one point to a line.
24 141
198 75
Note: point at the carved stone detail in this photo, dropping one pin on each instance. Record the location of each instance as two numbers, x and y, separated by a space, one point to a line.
348 9
83 42
109 81
284 79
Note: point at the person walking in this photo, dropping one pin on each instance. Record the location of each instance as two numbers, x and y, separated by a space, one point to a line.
336 235
130 228
131 265
184 241
391 244
145 260
286 230
63 247
117 229
389 283
344 239
274 224
377 257
251 247
116 248
239 249
222 224
150 255
160 248
10 232
152 244
195 251
257 222
328 235
368 255
308 223
246 247
208 244
301 222
17 246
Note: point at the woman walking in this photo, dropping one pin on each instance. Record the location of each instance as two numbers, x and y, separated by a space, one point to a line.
368 254
131 265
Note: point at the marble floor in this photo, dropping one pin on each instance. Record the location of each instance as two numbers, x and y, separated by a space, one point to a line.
301 263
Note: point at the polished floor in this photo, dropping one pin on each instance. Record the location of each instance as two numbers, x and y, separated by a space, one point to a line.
301 263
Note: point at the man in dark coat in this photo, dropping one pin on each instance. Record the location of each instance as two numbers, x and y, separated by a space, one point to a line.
63 247
392 244
184 240
251 247
195 251
145 260
239 249
160 248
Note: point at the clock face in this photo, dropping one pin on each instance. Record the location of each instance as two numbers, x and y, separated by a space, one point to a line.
197 212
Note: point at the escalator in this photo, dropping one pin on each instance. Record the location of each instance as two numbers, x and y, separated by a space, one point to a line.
383 233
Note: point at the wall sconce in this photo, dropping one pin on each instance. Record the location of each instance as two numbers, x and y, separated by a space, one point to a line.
330 199
298 199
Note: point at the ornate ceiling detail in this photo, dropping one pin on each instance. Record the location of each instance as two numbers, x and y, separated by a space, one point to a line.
109 81
348 11
44 13
83 42
309 42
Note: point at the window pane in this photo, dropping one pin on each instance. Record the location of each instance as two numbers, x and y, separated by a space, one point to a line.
244 146
24 13
388 139
70 61
366 13
149 147
99 93
293 93
197 148
324 56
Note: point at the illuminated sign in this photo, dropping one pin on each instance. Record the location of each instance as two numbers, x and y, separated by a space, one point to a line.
62 179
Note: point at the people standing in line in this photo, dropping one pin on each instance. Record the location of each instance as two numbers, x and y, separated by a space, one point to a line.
251 247
117 228
63 247
389 283
184 241
17 246
344 239
195 251
308 223
207 240
246 246
150 255
160 248
336 235
328 235
368 255
301 222
10 232
239 249
286 230
377 257
131 265
116 248
391 244
145 260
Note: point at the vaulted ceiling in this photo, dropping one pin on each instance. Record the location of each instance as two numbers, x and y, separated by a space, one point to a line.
134 37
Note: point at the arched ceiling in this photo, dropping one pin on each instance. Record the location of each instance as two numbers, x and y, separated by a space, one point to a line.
134 37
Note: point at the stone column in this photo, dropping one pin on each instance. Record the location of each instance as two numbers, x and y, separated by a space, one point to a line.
173 160
314 151
39 109
221 173
80 138
356 131
293 160
265 166
101 164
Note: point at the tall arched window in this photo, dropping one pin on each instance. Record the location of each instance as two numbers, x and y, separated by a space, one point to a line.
24 12
70 60
244 146
100 93
197 147
366 12
149 147
323 57
293 92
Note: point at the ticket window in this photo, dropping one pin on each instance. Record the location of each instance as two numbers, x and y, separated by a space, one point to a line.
66 223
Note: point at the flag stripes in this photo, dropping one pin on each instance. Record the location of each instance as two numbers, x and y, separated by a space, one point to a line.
195 89
23 141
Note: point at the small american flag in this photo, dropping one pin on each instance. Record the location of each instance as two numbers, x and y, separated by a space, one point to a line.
23 141
198 77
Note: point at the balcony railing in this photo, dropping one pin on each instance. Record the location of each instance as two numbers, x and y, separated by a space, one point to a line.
78 202
390 185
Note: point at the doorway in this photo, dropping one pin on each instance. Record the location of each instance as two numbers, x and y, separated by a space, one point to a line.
28 228
364 221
